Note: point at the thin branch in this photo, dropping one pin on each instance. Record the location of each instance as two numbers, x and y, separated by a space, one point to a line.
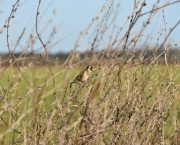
158 8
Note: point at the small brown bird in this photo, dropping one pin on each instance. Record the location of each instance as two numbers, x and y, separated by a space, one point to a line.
83 76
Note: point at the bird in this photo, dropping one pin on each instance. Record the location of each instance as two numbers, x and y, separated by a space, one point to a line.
83 76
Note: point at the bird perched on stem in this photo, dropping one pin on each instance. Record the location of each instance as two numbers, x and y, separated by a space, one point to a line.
83 76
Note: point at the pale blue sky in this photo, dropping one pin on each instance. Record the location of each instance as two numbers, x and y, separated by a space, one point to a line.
71 17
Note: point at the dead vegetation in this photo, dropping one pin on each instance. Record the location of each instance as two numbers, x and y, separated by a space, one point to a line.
132 97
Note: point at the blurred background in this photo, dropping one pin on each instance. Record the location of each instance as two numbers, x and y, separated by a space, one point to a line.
66 20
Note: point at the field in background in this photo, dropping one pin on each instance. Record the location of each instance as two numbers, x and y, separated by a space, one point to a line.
138 104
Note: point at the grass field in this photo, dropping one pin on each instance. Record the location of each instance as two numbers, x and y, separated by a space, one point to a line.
131 105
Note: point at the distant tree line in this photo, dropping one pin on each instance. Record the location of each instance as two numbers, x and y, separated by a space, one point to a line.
147 55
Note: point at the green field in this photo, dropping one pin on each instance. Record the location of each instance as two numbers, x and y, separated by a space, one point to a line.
131 105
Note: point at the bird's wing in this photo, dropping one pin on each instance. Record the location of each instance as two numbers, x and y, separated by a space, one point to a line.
78 78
